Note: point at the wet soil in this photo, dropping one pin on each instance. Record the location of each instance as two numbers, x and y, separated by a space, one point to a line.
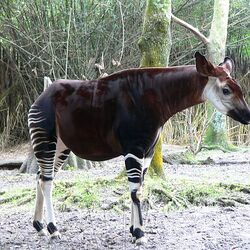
193 228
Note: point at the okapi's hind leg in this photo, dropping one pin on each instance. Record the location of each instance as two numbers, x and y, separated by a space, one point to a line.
46 182
39 209
50 157
45 152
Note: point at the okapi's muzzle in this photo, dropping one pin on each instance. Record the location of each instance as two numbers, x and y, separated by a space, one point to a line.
240 115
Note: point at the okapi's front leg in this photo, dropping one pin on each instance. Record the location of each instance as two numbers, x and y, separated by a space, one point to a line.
134 167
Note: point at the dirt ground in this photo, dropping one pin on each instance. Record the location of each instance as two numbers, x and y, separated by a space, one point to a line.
193 228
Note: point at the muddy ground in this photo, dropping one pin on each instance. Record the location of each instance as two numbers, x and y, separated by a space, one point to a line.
192 228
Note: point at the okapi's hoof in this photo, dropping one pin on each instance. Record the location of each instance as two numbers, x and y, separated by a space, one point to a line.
39 228
55 236
133 239
54 233
42 232
141 241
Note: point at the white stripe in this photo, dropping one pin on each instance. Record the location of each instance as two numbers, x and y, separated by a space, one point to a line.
33 109
38 132
37 144
36 128
44 161
34 121
134 169
35 113
47 152
139 160
134 175
62 154
39 119
48 158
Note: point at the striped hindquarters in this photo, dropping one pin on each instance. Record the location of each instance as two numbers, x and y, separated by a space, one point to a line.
43 143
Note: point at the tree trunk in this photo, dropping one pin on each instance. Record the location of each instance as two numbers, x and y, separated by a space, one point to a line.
155 45
216 132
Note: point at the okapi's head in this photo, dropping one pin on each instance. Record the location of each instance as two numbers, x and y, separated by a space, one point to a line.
222 90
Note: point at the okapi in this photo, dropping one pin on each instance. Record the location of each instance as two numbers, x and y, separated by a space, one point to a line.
121 114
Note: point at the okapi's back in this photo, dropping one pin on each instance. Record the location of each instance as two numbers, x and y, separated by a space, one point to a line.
85 113
89 115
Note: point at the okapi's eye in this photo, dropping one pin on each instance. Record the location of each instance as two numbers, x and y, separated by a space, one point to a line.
226 91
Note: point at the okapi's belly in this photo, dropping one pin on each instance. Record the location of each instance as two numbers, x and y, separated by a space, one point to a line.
91 144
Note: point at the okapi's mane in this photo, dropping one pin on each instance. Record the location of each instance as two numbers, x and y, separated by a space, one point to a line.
154 70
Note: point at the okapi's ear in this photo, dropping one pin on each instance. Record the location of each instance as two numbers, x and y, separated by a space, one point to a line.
203 66
228 64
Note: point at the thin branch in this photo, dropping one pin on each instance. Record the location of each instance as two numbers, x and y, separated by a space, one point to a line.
194 30
26 51
67 50
123 33
186 5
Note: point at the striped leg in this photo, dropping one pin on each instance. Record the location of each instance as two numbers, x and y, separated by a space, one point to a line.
44 145
38 137
45 153
135 169
60 156
46 185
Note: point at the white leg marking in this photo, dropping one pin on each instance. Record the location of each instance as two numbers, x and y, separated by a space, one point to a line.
47 187
135 219
147 162
60 147
39 207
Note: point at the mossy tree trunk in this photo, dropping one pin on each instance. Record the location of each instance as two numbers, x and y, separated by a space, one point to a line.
216 135
155 45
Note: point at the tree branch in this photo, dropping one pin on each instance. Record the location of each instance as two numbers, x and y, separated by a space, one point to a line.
194 30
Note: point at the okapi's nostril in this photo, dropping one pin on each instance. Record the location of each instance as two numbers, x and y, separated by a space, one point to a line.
240 115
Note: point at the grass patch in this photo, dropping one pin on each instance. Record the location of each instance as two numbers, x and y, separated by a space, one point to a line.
179 194
186 157
17 196
79 193
170 194
84 193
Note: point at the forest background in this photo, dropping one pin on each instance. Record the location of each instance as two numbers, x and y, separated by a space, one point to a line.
86 38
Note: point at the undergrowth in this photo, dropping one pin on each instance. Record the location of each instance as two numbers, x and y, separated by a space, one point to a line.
109 194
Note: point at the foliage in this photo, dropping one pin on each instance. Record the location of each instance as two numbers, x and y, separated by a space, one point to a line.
67 38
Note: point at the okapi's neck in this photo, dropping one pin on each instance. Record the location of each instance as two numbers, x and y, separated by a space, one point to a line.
181 88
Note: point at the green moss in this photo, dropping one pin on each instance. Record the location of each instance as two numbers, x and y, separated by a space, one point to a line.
156 167
169 194
178 194
202 194
17 196
216 132
81 193
155 45
69 167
